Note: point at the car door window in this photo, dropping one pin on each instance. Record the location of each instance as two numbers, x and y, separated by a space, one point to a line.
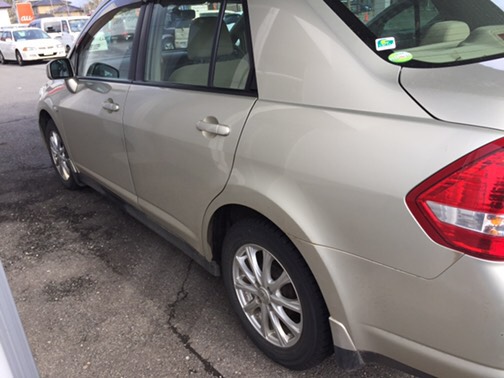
52 27
181 46
106 52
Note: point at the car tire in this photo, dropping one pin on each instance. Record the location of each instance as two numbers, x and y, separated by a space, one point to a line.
2 59
59 156
275 295
19 58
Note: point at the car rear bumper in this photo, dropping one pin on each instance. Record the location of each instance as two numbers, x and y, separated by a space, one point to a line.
452 325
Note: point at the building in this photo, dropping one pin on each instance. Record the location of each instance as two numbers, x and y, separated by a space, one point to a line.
4 13
49 8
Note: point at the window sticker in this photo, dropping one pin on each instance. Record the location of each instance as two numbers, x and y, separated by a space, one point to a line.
385 44
400 57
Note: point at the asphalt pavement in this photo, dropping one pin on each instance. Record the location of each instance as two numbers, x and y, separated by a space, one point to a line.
99 294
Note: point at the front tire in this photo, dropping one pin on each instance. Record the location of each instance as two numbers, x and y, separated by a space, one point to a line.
275 295
2 59
59 156
19 58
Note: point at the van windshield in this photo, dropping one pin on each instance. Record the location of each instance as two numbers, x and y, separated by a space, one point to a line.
77 25
427 33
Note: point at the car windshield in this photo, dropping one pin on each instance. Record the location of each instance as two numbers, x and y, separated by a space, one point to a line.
426 33
77 25
29 34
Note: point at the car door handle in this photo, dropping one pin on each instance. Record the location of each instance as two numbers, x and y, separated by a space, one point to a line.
211 126
110 105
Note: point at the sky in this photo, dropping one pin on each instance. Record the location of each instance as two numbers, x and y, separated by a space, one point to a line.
78 3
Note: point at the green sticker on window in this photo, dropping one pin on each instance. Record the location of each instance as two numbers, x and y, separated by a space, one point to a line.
385 44
400 57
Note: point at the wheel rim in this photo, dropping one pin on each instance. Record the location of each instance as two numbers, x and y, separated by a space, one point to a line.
267 296
59 155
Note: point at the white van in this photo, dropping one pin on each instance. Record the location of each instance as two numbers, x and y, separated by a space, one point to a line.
65 28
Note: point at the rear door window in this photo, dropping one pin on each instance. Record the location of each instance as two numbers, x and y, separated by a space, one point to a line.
199 44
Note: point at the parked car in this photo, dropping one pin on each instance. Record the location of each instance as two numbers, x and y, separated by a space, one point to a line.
28 44
348 188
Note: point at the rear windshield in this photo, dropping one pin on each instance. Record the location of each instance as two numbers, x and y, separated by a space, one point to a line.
427 33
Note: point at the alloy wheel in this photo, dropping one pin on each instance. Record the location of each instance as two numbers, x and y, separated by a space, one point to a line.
59 155
267 296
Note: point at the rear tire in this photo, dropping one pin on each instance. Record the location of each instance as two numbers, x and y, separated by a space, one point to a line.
59 157
275 295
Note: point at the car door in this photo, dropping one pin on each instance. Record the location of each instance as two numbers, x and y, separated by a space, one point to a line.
93 114
182 125
7 45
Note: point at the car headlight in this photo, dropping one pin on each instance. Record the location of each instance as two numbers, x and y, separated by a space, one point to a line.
59 46
29 48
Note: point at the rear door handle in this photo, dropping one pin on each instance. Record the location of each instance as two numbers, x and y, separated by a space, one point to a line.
110 105
211 126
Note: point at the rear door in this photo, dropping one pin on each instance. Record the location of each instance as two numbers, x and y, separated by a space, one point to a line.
183 123
93 115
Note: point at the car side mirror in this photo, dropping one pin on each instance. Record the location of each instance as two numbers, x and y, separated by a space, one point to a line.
59 69
62 69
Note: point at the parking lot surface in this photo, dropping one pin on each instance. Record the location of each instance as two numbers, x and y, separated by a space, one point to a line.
99 294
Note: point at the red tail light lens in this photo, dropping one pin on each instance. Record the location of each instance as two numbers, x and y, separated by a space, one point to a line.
462 206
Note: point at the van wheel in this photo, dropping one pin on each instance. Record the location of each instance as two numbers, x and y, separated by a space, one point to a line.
275 295
59 157
2 59
19 58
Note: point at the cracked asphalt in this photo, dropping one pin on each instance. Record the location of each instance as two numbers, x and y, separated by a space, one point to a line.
99 294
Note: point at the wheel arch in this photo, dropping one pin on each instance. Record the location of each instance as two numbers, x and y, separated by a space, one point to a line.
222 216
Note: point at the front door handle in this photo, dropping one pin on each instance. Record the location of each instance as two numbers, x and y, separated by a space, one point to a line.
110 105
211 126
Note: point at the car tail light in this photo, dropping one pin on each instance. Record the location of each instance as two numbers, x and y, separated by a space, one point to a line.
462 206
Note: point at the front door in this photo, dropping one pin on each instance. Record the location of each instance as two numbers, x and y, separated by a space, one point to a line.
93 115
